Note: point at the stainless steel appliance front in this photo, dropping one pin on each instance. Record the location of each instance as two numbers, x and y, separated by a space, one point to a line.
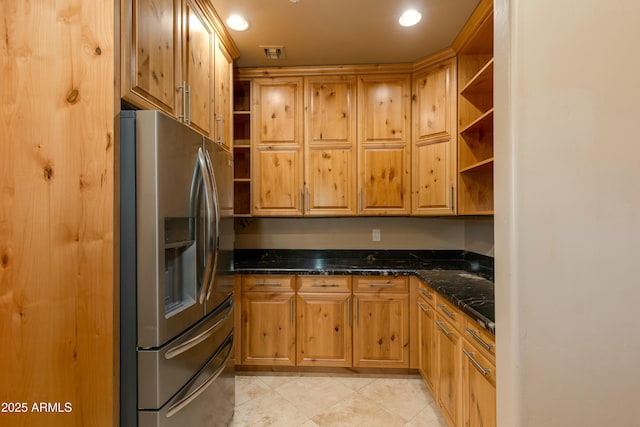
176 271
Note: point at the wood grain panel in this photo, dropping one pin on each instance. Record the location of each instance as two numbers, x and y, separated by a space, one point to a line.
277 113
331 181
383 103
277 188
56 211
384 179
432 188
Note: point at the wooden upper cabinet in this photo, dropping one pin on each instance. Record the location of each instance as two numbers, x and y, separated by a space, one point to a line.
173 60
330 145
198 66
277 146
151 64
384 108
434 140
223 105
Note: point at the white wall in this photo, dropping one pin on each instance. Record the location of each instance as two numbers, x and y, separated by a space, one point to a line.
567 219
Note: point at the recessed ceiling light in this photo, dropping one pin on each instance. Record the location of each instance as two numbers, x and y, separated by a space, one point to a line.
237 22
410 18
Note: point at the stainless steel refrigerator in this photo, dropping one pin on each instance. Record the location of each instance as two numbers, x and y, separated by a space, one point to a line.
176 280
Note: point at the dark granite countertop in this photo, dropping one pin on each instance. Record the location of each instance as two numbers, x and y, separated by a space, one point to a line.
464 278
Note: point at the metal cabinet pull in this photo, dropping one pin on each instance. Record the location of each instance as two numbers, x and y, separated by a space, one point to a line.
306 200
291 311
451 314
189 105
426 294
219 120
422 307
480 341
357 313
301 199
324 285
381 285
483 371
267 284
183 88
443 329
360 201
452 197
349 310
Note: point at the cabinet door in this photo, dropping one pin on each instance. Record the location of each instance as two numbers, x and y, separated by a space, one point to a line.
223 83
330 145
277 147
426 344
479 389
449 385
268 333
384 110
151 54
434 140
198 69
381 330
323 329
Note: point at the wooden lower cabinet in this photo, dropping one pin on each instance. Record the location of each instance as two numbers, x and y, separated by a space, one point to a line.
267 321
381 330
323 329
426 343
479 388
448 344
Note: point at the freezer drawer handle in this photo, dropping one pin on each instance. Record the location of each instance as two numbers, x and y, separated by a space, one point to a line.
182 403
188 345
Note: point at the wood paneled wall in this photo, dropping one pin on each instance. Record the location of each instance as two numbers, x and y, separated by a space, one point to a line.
57 193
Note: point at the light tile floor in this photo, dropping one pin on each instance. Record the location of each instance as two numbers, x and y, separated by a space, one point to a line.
328 400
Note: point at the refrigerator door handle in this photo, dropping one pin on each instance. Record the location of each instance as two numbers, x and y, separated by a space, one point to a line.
185 401
208 195
188 345
215 236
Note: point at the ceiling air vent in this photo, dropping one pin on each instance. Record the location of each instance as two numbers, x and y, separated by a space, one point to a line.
274 52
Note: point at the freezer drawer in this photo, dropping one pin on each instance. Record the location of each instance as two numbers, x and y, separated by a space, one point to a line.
164 371
207 400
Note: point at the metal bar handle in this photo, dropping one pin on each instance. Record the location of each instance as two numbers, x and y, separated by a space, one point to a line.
452 197
325 285
189 104
426 294
360 201
216 222
219 119
178 406
442 328
422 307
381 285
267 284
306 199
349 310
189 344
291 312
480 341
208 195
451 314
484 371
357 313
183 88
301 197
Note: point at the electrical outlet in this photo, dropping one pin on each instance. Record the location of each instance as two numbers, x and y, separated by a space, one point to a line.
375 235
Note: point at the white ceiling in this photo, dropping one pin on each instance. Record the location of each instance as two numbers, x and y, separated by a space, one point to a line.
343 32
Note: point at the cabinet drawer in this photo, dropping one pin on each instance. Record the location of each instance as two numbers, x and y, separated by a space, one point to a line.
428 294
268 283
324 283
381 284
479 337
449 312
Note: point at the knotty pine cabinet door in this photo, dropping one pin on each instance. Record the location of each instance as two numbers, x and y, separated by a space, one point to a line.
276 154
330 145
449 380
381 330
434 157
268 331
223 91
323 329
478 388
198 65
151 54
427 343
384 109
